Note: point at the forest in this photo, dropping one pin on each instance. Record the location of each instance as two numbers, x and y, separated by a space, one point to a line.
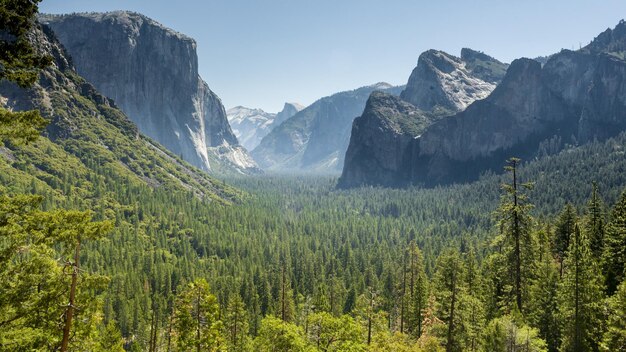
92 259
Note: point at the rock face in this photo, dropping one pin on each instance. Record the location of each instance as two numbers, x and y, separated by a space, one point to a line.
444 81
251 125
151 72
316 138
577 96
89 137
381 141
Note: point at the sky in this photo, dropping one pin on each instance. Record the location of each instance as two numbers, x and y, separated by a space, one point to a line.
262 53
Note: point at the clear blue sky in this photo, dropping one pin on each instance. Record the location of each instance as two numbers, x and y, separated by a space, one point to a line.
261 53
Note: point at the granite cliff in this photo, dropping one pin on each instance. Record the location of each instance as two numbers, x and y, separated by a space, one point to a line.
151 72
575 97
444 81
89 144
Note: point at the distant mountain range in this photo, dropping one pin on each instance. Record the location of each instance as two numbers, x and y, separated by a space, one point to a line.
315 139
151 72
251 125
575 97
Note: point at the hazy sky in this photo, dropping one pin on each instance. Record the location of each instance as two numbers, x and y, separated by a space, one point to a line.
261 53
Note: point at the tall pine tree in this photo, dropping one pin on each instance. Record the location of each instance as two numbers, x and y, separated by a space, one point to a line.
580 297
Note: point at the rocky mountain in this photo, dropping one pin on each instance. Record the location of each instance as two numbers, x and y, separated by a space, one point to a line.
379 145
251 125
90 146
151 72
444 81
576 97
316 138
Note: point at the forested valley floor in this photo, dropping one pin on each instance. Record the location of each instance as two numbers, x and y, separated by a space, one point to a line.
296 265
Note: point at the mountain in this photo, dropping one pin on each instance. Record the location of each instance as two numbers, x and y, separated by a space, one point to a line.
151 72
576 97
377 153
91 149
251 125
316 138
444 81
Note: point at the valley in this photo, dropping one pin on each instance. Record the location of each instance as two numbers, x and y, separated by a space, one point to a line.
137 213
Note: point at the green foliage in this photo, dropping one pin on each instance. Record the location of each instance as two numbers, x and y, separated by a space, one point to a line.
505 335
236 325
328 333
276 335
515 224
614 256
615 335
36 291
580 297
196 321
19 63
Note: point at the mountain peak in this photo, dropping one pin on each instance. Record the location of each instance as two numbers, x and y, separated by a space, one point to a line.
610 41
441 80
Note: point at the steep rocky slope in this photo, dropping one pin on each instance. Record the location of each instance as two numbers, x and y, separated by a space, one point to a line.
251 125
90 144
151 72
444 81
381 138
576 97
316 138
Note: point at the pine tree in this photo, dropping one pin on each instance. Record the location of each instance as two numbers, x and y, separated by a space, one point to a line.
276 335
580 297
236 324
563 232
196 319
449 290
594 222
418 290
19 63
614 255
515 225
543 310
473 302
615 335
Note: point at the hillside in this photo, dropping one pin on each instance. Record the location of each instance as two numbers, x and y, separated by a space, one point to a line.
89 141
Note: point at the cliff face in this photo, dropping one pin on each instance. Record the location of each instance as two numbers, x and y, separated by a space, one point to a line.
444 81
89 138
381 141
575 97
151 72
316 138
251 125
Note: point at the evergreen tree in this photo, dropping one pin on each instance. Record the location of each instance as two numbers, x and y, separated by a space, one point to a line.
473 302
236 325
563 232
515 225
418 290
449 290
615 335
543 312
595 222
19 63
276 335
580 297
614 255
504 335
196 319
